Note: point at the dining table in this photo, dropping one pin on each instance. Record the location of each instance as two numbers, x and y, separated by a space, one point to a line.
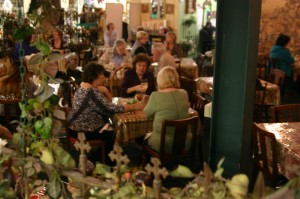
273 96
134 124
288 141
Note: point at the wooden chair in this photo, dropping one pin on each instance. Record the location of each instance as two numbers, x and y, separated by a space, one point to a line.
275 63
198 102
178 150
207 71
265 155
189 85
260 109
115 83
70 140
10 105
277 77
262 64
286 113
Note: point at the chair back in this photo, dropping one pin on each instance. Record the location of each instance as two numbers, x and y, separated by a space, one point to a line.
275 63
11 106
181 129
198 103
261 68
115 82
190 85
260 92
277 77
286 113
259 101
207 71
265 152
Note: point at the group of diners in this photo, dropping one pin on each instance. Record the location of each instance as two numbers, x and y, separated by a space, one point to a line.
92 104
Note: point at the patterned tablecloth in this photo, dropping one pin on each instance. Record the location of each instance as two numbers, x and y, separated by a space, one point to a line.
131 125
272 93
288 139
205 86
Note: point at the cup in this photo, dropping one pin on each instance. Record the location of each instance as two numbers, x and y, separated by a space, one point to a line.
139 96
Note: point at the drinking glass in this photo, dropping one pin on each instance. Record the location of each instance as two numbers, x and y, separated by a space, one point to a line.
144 84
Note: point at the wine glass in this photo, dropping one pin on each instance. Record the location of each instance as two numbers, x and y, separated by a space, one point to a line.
144 84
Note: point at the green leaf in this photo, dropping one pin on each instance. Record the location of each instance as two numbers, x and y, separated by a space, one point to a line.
101 169
182 172
43 47
62 157
54 99
54 188
38 126
4 158
30 172
47 104
23 32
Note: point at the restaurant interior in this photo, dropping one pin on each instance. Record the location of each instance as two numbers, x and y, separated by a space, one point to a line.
243 117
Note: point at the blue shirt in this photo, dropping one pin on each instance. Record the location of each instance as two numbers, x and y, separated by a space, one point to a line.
285 57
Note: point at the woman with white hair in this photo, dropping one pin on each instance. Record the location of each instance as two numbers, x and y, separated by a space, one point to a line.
116 57
161 56
168 103
140 45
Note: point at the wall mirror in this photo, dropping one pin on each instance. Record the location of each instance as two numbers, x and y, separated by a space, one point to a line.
157 9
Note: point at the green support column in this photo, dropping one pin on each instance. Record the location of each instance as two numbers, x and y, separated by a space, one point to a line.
234 78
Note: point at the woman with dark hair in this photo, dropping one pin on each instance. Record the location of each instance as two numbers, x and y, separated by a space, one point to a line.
26 46
133 78
90 109
280 52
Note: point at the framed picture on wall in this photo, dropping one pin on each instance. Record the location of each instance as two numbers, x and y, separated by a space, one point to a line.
169 8
145 7
190 6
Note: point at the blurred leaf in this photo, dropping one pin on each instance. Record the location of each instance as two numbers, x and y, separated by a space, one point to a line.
259 187
182 172
46 93
54 99
47 156
62 157
23 32
59 114
101 169
125 191
53 189
43 47
220 170
5 192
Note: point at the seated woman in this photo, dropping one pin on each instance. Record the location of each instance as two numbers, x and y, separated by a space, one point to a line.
57 43
281 52
132 78
141 43
90 109
116 57
27 46
111 35
171 46
168 103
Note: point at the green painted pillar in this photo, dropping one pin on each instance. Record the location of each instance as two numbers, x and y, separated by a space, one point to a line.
234 81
